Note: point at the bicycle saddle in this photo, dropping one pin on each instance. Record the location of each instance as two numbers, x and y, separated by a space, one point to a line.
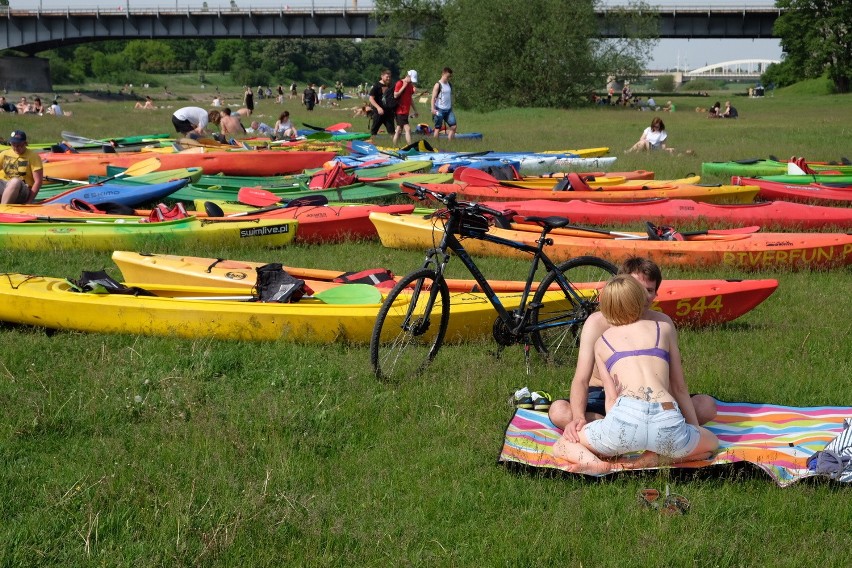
553 222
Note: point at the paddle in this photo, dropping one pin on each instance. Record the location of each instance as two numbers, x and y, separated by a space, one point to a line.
475 177
139 168
213 210
345 294
257 197
621 235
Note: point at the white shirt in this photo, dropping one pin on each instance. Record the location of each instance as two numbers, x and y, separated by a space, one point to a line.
444 100
196 116
655 137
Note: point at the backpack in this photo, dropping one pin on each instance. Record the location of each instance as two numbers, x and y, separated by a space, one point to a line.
389 102
99 282
275 285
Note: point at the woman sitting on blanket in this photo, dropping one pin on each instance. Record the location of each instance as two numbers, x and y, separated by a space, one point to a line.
647 401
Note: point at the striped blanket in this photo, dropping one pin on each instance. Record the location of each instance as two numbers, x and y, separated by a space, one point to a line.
776 439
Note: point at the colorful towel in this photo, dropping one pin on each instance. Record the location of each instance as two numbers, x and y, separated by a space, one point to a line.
777 439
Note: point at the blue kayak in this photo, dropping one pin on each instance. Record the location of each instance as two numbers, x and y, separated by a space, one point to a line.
123 193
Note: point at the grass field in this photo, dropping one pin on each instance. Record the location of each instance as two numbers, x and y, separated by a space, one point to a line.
143 451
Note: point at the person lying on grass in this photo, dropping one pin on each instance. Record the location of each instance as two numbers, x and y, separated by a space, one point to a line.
647 401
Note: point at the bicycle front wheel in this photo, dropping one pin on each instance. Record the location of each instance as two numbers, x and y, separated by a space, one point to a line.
410 326
559 315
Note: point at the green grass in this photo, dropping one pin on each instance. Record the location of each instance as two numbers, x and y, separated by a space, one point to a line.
145 451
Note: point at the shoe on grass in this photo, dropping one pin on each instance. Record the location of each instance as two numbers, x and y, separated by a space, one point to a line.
523 398
541 400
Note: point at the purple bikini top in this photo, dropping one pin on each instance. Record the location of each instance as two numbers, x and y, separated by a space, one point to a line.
654 351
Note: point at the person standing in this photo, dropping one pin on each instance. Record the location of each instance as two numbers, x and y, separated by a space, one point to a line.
404 94
381 115
309 97
248 100
442 104
280 99
21 171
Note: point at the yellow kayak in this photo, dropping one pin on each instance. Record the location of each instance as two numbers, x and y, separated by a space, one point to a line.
201 312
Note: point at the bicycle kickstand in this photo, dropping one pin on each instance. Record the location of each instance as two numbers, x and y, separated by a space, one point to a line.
527 357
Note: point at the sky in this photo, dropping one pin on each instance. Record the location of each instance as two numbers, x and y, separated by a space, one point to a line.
669 53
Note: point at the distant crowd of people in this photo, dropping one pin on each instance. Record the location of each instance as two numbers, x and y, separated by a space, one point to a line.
34 106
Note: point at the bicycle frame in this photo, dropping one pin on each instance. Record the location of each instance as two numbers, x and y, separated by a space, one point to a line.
451 242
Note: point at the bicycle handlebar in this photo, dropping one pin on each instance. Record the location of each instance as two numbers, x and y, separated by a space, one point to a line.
449 199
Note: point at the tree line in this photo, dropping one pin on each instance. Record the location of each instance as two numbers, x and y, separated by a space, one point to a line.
248 62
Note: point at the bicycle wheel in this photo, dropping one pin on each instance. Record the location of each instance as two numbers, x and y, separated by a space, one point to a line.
562 315
410 326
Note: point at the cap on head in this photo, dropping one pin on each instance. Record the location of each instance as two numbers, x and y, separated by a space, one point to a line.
18 137
413 74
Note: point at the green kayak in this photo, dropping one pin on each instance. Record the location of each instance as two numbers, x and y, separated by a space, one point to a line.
844 179
760 168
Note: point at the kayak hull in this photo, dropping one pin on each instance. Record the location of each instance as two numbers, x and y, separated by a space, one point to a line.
761 251
802 193
655 189
109 234
687 302
768 214
48 302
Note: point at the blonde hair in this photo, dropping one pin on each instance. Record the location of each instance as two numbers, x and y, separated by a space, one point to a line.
622 300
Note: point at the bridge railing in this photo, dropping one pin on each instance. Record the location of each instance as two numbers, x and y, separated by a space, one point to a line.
127 7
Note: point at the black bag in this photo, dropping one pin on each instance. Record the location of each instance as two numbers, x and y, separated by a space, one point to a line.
275 285
101 283
389 102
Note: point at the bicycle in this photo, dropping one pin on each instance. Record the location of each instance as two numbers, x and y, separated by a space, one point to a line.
412 322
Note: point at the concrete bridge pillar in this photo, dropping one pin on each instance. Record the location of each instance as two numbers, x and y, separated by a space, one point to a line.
25 74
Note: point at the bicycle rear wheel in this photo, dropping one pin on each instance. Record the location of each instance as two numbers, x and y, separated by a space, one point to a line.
561 314
410 326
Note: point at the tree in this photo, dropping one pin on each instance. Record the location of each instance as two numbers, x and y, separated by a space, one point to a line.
507 53
816 36
664 83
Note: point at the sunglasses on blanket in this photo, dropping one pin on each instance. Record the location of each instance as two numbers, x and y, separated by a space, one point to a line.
671 504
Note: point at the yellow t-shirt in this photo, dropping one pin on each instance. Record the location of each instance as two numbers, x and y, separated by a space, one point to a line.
22 166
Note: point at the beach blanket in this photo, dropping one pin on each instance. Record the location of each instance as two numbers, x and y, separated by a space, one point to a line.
777 439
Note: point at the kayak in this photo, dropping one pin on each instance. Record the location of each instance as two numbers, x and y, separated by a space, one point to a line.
130 194
760 167
355 192
108 234
49 302
551 181
687 302
248 163
807 193
321 223
51 190
746 251
834 179
630 191
768 214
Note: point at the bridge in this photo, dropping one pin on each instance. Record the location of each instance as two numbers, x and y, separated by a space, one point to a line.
746 69
33 29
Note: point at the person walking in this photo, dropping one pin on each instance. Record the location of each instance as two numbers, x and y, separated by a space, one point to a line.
248 100
442 104
309 97
404 94
382 116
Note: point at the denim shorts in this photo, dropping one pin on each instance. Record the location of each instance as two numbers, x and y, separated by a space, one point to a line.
444 115
596 402
633 425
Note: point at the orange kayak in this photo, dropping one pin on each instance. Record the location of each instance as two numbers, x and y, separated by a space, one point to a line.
631 191
754 251
687 302
236 163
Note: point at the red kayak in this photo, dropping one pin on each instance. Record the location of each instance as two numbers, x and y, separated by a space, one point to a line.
782 215
236 163
806 193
